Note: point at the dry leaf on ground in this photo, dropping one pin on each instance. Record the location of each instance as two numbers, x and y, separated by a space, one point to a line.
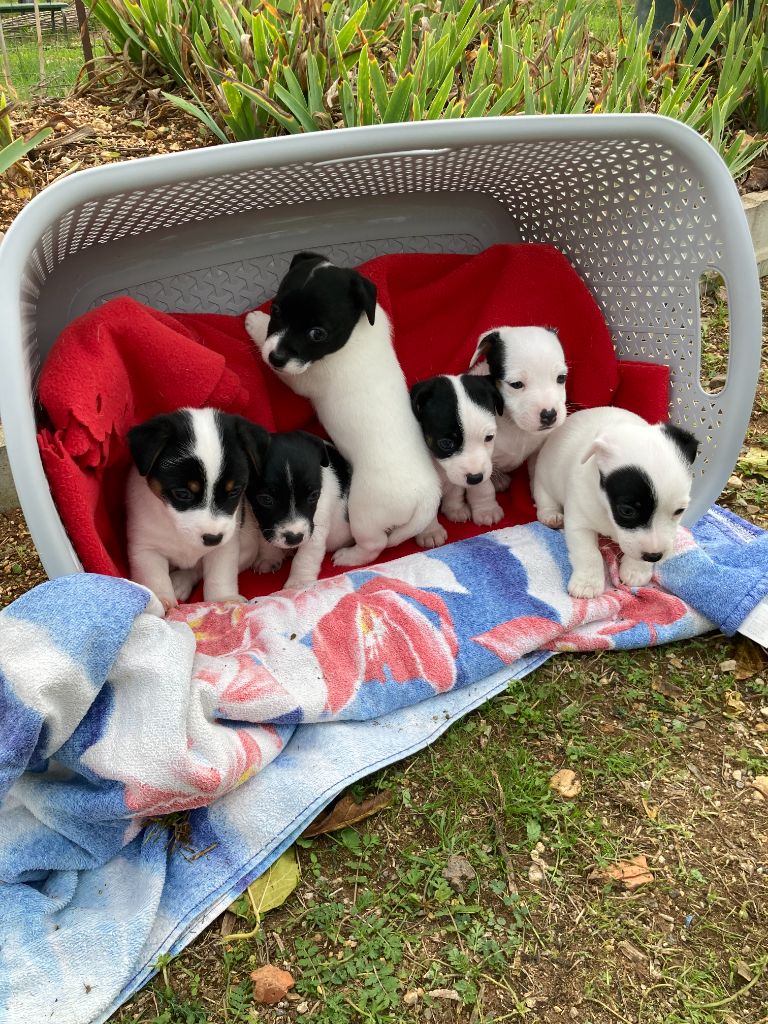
760 783
458 871
734 703
270 984
629 874
750 659
667 689
754 462
565 783
346 812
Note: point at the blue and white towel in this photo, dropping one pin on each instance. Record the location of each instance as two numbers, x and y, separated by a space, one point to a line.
109 715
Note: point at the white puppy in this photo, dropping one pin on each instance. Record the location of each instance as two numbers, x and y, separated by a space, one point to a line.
185 504
330 341
608 472
528 366
458 420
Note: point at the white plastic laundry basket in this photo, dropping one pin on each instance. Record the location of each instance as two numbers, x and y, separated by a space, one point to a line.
641 205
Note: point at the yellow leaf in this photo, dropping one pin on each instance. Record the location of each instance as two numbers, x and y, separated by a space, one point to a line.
271 890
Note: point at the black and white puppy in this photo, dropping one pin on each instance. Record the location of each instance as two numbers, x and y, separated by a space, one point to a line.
186 503
528 366
458 419
330 341
608 472
300 501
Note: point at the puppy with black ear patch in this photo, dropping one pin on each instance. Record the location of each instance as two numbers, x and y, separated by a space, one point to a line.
185 501
300 501
528 366
458 419
329 340
608 472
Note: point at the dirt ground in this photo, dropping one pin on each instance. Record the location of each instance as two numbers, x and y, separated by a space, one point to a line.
669 747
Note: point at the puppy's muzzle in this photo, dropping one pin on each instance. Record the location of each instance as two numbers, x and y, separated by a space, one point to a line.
212 539
278 359
653 556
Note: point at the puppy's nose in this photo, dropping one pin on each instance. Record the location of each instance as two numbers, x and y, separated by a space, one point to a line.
548 417
278 359
212 539
474 478
294 539
653 556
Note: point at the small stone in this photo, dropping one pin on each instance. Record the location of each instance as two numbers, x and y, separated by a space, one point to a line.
458 871
737 774
700 725
760 783
565 783
728 666
445 993
411 998
764 711
535 874
302 1007
270 984
717 383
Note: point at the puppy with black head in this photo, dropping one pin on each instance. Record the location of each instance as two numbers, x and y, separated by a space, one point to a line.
186 503
528 366
608 472
458 419
300 501
329 340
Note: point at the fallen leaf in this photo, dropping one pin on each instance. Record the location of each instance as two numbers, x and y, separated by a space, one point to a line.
760 783
750 659
743 971
270 984
411 998
274 887
458 871
629 874
444 993
565 783
346 812
652 812
733 700
754 462
667 689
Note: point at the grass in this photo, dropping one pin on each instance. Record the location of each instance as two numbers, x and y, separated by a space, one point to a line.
63 60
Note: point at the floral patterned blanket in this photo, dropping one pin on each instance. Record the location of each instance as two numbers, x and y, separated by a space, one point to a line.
109 716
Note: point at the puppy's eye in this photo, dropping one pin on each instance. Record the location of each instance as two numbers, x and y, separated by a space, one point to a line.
626 511
314 496
679 511
234 492
182 494
445 444
318 334
516 384
265 500
489 438
561 378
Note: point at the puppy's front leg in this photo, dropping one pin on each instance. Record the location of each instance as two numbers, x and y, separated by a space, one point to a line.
220 573
256 326
151 569
486 511
366 549
454 504
434 536
307 561
588 570
634 572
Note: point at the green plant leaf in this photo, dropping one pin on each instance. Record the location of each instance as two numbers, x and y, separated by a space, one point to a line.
199 112
269 891
19 148
400 99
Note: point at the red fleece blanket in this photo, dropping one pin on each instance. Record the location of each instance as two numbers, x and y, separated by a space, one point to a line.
123 362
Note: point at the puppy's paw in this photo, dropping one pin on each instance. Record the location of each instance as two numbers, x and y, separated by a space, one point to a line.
586 584
634 573
487 516
457 513
501 480
268 563
298 582
433 537
216 598
352 556
184 581
550 517
256 324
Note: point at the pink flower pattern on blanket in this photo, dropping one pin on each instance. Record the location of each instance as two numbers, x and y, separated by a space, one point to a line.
378 633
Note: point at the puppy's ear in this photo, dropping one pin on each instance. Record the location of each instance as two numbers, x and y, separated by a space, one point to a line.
486 344
552 330
364 294
320 444
601 447
421 392
255 441
300 257
494 395
687 443
147 440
